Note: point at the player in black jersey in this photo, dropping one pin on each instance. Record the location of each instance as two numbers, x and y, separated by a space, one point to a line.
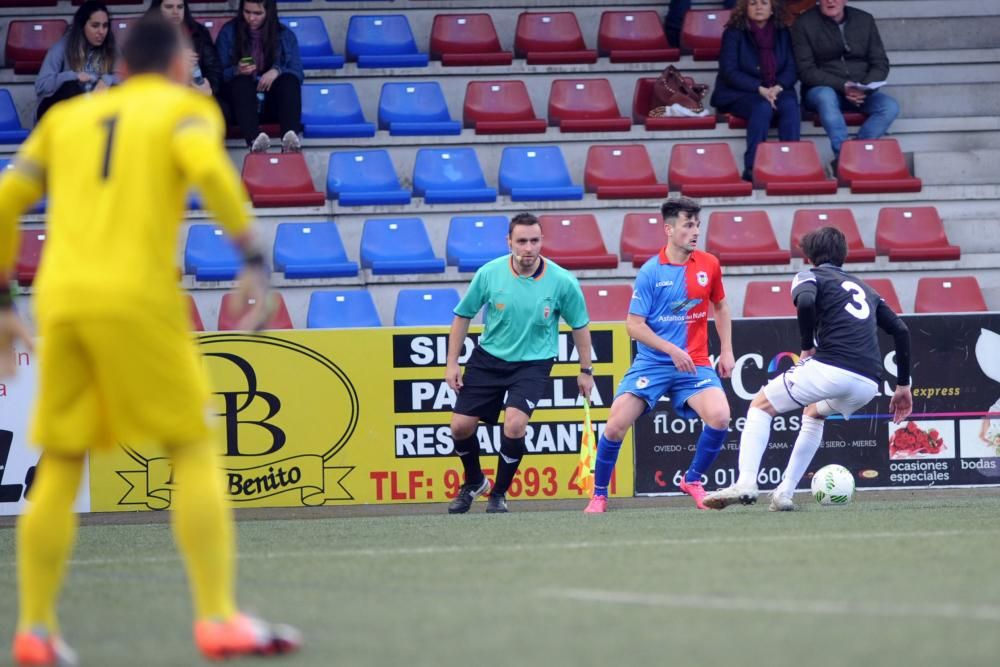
838 370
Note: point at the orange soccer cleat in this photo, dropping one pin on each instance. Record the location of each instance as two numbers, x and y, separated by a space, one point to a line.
244 635
38 647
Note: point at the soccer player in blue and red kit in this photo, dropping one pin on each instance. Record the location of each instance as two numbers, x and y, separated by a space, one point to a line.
668 319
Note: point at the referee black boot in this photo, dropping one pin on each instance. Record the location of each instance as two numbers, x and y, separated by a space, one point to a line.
496 504
468 493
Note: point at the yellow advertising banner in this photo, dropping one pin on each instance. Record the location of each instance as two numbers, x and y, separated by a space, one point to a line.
341 417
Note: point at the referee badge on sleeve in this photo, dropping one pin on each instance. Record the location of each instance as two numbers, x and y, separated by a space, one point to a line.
702 278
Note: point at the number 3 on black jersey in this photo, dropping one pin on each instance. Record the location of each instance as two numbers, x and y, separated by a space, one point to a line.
858 305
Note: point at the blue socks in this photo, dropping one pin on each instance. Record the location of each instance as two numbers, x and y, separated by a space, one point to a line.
705 452
607 456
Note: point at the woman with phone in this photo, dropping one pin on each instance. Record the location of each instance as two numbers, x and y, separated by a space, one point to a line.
262 75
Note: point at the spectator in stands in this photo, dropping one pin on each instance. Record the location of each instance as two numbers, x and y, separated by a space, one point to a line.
262 74
83 60
674 20
206 69
756 79
839 52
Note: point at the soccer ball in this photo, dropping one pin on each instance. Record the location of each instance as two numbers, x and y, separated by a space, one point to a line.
833 485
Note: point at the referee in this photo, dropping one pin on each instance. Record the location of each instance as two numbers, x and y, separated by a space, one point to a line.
524 295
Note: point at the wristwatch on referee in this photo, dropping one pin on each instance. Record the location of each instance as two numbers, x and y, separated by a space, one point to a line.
587 371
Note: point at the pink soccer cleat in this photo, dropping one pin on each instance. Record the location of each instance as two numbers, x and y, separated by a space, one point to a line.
597 505
696 491
38 647
244 635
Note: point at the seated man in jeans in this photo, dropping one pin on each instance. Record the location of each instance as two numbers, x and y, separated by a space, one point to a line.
837 50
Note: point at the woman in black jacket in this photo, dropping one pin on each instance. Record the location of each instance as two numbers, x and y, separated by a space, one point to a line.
206 67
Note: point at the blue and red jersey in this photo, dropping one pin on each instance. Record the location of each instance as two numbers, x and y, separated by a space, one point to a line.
674 300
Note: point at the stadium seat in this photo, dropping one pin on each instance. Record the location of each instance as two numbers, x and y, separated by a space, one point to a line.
127 2
767 298
398 245
791 168
333 110
851 118
642 102
585 105
425 307
607 303
342 309
210 255
229 321
364 178
805 221
701 34
536 173
214 24
913 234
450 176
500 107
875 165
621 172
551 38
274 179
311 250
467 40
642 237
314 42
28 42
383 41
887 291
195 316
634 37
120 26
575 242
705 170
949 295
28 255
475 240
415 109
743 238
15 4
11 130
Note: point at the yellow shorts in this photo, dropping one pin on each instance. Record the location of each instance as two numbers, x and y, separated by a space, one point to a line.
115 379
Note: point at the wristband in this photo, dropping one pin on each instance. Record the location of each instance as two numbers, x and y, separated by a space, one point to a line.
7 298
587 371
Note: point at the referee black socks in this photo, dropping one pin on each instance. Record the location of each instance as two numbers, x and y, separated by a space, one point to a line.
511 452
467 450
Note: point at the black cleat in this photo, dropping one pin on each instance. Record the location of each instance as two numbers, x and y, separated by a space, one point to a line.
496 504
466 494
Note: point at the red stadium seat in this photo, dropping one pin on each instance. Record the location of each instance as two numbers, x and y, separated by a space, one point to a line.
768 298
500 107
701 34
642 237
887 291
29 41
805 221
642 102
121 26
270 129
705 170
791 168
743 238
585 105
551 38
13 4
875 165
607 303
912 234
467 39
621 172
274 179
29 254
949 295
196 323
634 37
129 2
214 23
852 118
575 242
231 322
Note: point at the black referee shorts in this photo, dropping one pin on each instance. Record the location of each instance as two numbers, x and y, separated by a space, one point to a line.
488 379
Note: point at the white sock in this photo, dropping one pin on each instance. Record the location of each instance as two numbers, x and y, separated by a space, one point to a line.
810 437
753 442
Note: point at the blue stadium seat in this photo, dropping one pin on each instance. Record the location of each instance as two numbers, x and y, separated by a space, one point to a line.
364 178
210 255
398 245
314 42
425 307
473 241
414 109
311 250
333 110
536 173
11 130
341 310
450 176
383 41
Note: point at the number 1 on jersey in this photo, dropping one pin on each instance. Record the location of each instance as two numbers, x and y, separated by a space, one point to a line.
109 125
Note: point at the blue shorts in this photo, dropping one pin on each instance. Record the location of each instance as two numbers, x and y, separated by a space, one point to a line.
650 381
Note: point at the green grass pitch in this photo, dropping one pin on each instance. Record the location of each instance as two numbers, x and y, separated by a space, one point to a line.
893 579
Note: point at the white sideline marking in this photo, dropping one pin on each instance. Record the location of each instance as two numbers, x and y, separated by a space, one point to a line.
945 610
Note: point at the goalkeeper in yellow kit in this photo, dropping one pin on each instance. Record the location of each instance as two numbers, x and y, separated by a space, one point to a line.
117 359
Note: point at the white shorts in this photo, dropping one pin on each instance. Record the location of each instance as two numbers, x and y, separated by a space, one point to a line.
811 381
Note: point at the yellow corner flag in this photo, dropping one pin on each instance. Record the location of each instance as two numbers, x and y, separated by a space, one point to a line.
588 453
